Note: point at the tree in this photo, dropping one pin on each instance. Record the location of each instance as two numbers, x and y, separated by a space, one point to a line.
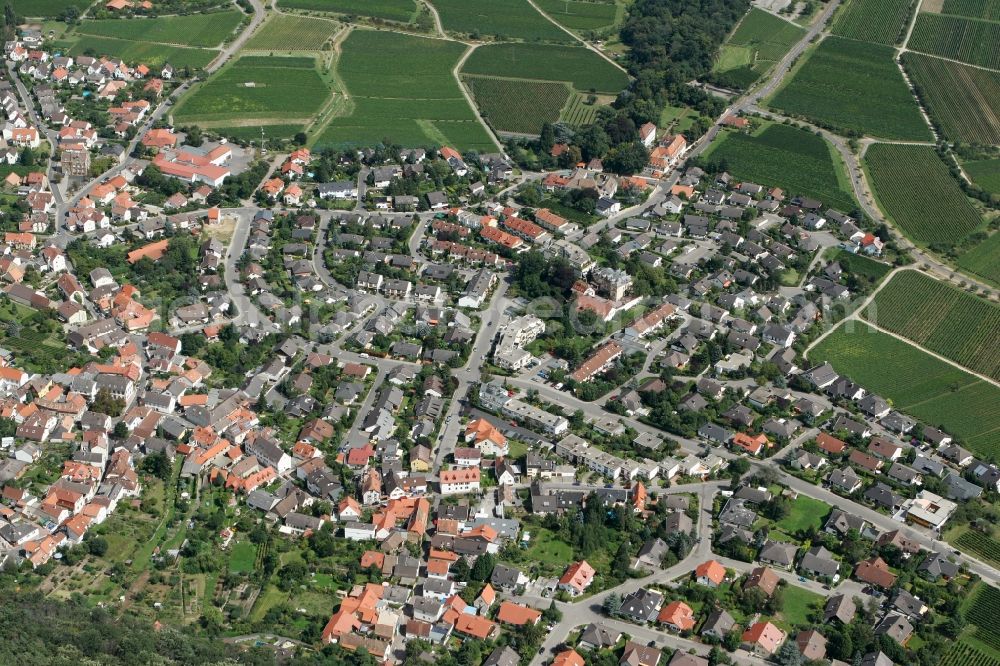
483 567
97 545
121 430
612 603
28 157
301 138
105 403
157 464
789 655
547 137
552 614
627 158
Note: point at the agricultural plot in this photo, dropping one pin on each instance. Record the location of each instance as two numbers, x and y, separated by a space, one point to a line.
983 260
197 30
288 32
985 174
972 41
512 19
402 11
963 654
46 8
940 318
984 612
915 189
854 87
579 111
577 15
980 545
513 105
961 100
582 68
877 21
151 54
416 105
759 41
934 392
793 159
984 9
254 91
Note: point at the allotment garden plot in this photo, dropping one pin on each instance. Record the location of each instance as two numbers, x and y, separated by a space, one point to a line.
506 19
401 89
403 11
877 21
796 160
854 87
257 90
914 188
758 42
941 318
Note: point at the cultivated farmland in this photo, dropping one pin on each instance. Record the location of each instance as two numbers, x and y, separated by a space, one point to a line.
200 30
856 87
512 105
915 189
390 10
416 105
969 40
287 32
985 9
577 15
257 90
984 612
983 259
582 68
515 19
154 55
878 21
985 174
941 318
962 100
938 394
793 159
579 111
758 42
47 8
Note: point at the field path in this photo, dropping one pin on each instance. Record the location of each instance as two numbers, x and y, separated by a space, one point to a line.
575 36
237 44
438 26
468 98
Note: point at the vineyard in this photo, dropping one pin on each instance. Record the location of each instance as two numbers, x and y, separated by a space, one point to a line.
578 112
516 105
760 40
854 87
985 9
983 259
941 318
960 99
981 545
915 189
970 40
795 160
878 21
577 15
963 654
984 612
985 174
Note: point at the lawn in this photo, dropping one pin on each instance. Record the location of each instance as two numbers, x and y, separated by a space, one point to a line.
582 68
759 41
147 53
287 32
796 160
581 16
878 21
391 10
971 41
961 100
268 599
199 30
860 265
856 88
252 132
546 548
242 557
419 104
516 105
257 90
941 318
515 19
798 604
806 513
938 394
983 260
915 189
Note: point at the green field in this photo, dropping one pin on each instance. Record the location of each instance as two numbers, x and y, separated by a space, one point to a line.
914 188
986 9
199 30
806 513
858 264
983 610
417 105
878 21
972 41
288 32
577 15
252 132
793 159
582 68
985 174
391 10
242 557
854 87
46 8
983 260
759 41
515 19
941 318
547 548
797 605
962 101
516 105
154 55
938 394
254 91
